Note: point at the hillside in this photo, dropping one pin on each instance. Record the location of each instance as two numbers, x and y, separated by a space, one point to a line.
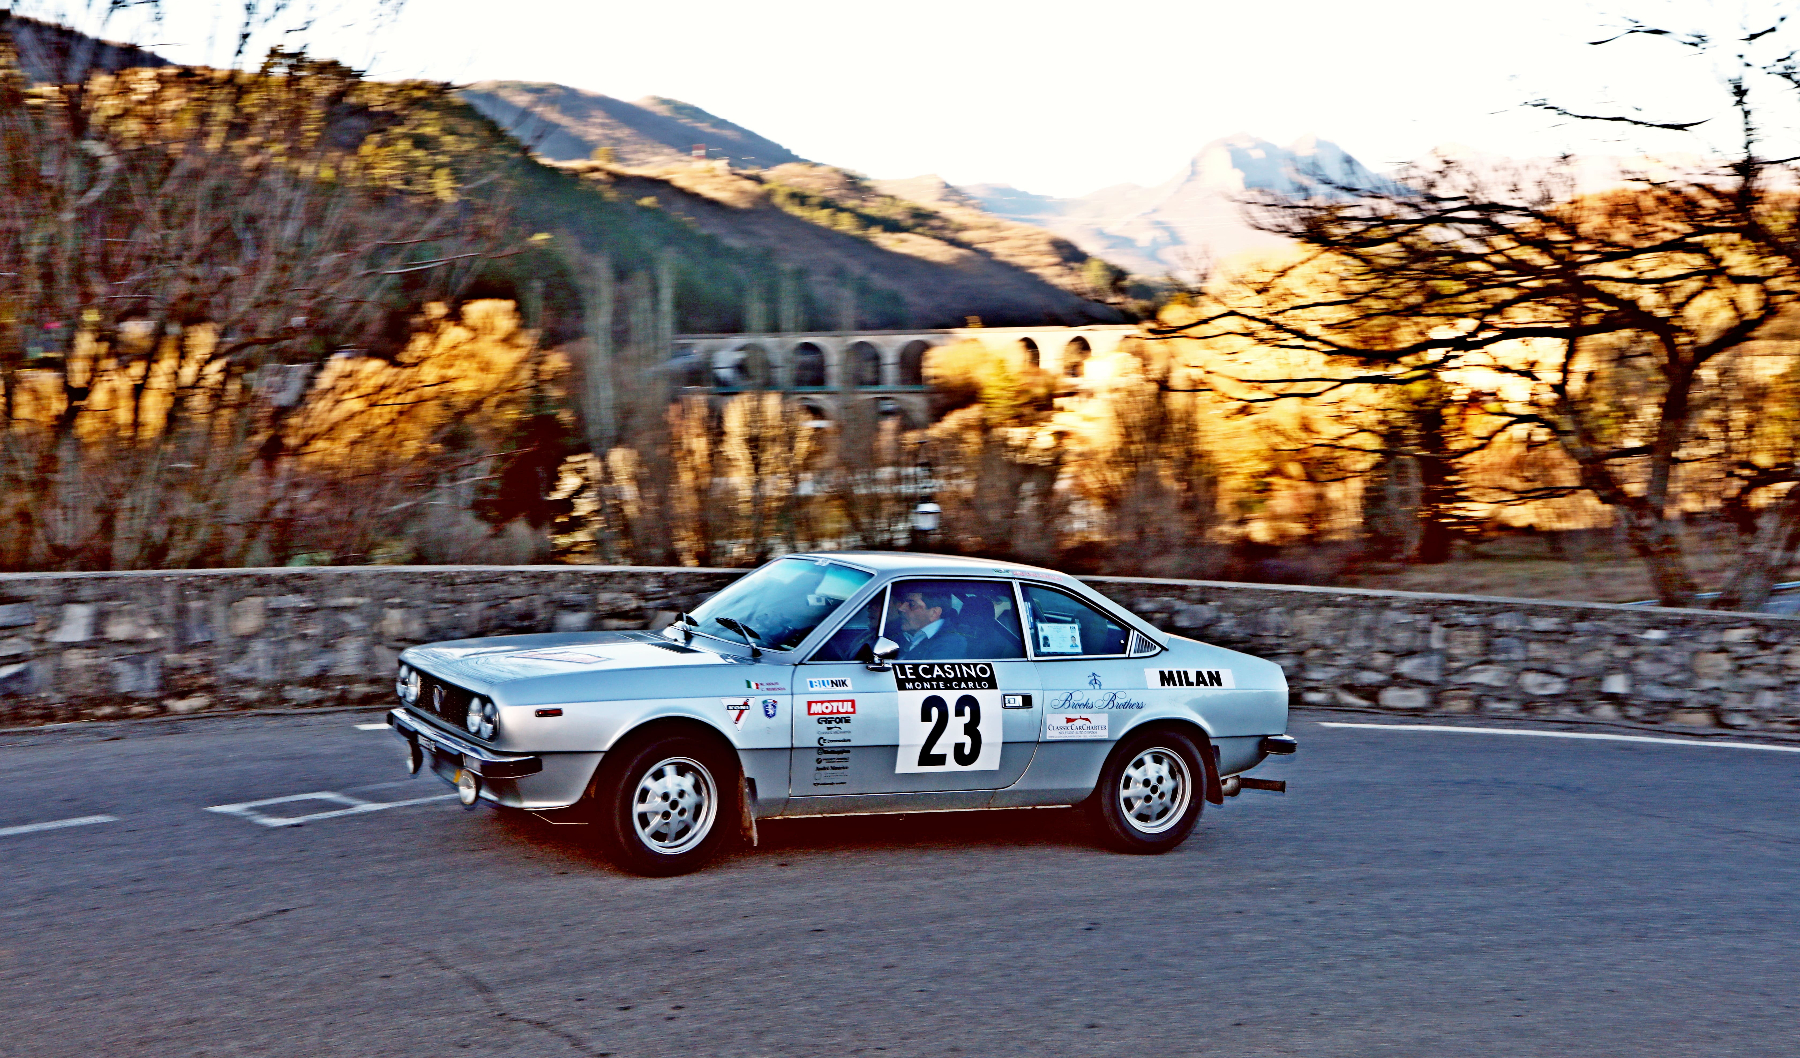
564 124
57 54
844 246
1195 214
911 266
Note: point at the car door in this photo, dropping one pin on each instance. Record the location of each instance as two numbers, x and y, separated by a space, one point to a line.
1090 686
958 710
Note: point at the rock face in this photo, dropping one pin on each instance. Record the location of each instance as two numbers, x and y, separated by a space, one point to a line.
95 645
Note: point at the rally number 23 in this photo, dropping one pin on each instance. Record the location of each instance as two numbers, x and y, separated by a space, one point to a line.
953 730
935 712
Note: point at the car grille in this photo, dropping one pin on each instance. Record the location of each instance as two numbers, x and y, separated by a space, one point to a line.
445 701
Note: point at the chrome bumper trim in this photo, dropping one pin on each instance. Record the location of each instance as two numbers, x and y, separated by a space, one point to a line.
483 762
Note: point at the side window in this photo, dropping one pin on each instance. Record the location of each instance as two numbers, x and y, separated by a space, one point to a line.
955 620
1064 626
853 642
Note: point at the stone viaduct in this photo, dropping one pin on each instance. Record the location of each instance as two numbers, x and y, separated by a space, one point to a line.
824 368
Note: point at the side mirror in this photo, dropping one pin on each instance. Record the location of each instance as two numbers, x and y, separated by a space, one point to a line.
881 654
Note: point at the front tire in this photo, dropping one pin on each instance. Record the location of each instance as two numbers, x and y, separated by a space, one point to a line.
665 806
1150 794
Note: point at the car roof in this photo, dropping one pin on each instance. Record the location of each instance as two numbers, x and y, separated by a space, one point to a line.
948 565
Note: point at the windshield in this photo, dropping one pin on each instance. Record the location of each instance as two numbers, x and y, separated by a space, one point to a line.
780 603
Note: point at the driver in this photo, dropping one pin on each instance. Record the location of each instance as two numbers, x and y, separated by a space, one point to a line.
923 635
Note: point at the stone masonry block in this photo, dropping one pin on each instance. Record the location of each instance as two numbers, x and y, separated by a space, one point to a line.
246 616
139 675
17 678
1712 666
77 624
1541 684
1422 668
1404 698
1487 675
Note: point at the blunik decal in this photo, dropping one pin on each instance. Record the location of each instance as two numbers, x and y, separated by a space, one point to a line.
945 676
737 708
770 706
835 707
830 683
1064 727
1155 678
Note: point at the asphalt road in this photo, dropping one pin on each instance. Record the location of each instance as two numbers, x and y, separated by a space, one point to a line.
1432 894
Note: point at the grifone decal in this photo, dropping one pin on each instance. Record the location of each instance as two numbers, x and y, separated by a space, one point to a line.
832 738
945 676
1156 678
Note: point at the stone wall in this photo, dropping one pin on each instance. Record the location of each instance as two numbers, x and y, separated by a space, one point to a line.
91 645
94 645
1407 652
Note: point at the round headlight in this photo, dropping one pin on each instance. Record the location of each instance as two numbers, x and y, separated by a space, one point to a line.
490 718
407 684
473 720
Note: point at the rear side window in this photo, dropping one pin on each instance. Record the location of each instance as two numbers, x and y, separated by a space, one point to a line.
1064 626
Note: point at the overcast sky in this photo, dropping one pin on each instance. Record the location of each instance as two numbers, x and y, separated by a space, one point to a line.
1052 97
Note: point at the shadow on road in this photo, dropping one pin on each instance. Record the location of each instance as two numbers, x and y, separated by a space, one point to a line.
997 829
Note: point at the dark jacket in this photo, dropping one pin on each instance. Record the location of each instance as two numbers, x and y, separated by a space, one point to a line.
947 645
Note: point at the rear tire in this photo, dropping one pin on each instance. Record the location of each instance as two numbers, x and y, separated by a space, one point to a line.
1150 794
665 806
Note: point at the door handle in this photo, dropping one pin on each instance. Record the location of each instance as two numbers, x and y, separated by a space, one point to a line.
1015 701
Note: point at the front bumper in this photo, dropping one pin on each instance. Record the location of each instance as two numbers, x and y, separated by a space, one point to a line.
435 745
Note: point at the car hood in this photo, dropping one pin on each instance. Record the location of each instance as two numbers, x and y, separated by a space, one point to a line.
497 660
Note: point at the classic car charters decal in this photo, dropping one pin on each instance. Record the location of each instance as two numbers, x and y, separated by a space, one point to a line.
1066 727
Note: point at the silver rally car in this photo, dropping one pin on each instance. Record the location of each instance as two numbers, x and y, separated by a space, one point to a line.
847 683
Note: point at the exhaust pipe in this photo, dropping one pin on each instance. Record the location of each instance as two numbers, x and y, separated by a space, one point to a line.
1232 785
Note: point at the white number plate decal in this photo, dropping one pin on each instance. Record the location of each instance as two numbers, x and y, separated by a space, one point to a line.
956 730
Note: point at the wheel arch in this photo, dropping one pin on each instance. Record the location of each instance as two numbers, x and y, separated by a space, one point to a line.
665 726
1193 730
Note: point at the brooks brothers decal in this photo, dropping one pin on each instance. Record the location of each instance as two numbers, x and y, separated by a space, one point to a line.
945 676
1068 726
830 683
1189 678
1074 701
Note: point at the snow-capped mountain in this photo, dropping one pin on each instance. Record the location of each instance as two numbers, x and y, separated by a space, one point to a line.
1195 214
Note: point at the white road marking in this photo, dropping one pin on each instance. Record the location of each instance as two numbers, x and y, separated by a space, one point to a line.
1568 734
354 806
373 727
56 824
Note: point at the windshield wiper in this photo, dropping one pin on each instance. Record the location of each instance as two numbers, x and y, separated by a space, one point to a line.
744 630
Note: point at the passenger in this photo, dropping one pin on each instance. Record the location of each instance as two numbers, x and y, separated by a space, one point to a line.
923 634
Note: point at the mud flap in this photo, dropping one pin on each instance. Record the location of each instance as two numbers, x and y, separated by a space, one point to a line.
746 798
